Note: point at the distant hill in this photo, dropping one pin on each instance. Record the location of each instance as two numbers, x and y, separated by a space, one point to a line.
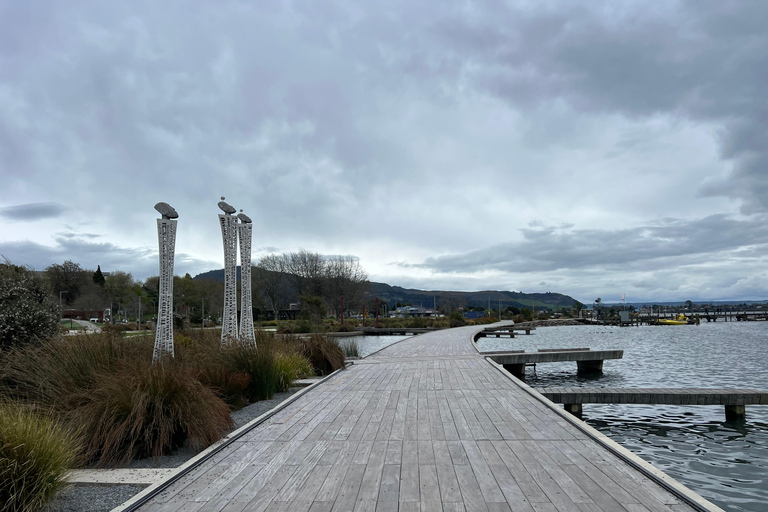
394 294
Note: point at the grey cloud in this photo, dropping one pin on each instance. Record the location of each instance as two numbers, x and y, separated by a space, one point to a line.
701 60
141 262
549 249
32 211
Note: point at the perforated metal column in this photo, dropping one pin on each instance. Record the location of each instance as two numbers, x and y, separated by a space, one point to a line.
246 303
229 317
166 237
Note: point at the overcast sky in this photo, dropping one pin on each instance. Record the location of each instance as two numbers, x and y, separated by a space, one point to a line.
589 148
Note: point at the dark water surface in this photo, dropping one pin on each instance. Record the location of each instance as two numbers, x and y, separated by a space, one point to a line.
727 463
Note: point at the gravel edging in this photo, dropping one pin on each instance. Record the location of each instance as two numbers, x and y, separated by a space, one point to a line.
103 498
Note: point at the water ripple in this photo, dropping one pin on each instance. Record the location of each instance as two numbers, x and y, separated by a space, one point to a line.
723 461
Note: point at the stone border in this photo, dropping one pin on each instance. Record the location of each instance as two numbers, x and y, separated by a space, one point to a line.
687 495
145 495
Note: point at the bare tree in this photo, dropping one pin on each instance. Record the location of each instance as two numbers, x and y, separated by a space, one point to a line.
269 276
306 272
344 276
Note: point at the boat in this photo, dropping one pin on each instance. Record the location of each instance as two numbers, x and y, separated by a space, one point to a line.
678 320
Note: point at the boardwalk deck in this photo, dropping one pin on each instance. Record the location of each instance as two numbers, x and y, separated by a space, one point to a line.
427 424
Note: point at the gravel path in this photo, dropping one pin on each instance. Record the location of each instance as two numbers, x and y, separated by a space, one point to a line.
103 498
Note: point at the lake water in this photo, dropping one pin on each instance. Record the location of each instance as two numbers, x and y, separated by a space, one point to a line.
725 462
367 345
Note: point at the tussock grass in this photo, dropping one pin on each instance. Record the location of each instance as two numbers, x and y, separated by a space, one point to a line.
291 367
105 387
58 374
141 410
326 356
35 453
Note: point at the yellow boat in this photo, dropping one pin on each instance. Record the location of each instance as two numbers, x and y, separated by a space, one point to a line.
678 320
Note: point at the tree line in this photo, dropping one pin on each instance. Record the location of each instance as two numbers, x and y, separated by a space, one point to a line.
318 282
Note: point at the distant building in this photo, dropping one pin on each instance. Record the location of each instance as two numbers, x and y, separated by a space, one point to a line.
411 312
474 314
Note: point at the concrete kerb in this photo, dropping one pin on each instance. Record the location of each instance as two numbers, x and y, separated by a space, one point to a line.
664 480
216 447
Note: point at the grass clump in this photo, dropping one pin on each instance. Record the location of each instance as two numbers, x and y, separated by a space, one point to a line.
290 367
324 355
256 362
35 453
350 348
149 410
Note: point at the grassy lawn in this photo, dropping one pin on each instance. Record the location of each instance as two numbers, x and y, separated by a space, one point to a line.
65 322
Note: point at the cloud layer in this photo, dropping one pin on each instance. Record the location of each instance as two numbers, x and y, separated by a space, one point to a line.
426 134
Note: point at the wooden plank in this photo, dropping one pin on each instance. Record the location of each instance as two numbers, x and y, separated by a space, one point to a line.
409 483
429 490
389 492
470 489
345 501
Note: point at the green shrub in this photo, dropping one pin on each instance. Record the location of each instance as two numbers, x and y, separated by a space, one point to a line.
35 453
455 319
28 311
303 326
148 410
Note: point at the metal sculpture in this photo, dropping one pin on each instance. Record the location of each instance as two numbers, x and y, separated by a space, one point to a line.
166 237
229 237
245 231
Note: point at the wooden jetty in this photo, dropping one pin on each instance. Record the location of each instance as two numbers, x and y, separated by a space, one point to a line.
587 361
734 400
503 332
427 424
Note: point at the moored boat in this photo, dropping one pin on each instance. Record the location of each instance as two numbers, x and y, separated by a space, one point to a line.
680 319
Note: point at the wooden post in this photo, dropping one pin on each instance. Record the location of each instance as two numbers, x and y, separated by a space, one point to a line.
574 409
594 366
735 413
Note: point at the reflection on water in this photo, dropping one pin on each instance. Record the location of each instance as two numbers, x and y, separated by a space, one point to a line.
723 461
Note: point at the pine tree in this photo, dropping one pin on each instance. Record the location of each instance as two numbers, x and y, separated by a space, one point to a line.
98 277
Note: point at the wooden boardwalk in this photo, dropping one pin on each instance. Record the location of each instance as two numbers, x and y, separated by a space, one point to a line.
425 425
